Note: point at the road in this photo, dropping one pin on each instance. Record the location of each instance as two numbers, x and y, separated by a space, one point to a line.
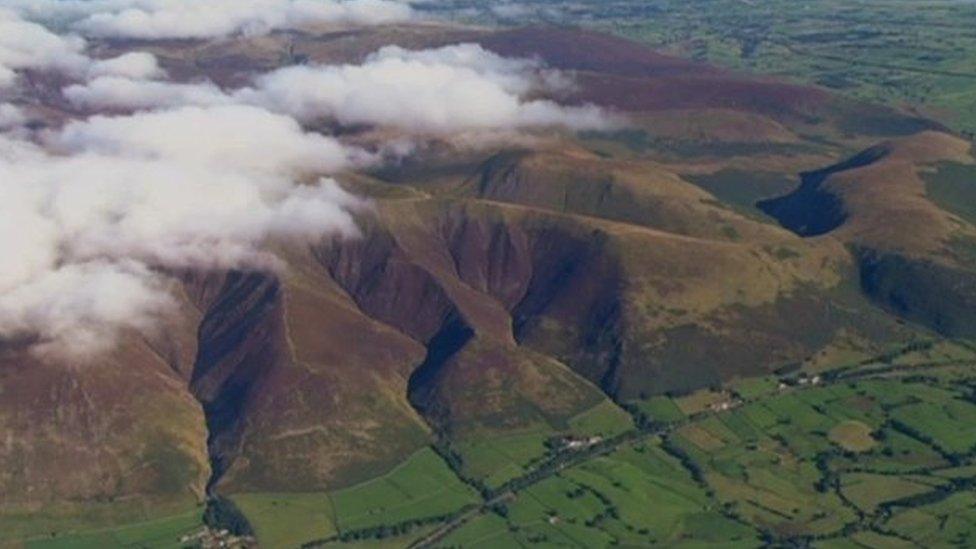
570 459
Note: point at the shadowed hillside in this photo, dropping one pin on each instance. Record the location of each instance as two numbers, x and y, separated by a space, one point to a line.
911 253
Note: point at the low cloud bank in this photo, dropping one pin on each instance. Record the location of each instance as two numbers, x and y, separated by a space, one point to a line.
28 45
88 220
459 88
26 41
119 92
136 65
199 177
455 88
197 19
11 116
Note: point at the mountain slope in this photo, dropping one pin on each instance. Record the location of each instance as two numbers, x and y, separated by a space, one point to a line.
912 254
502 287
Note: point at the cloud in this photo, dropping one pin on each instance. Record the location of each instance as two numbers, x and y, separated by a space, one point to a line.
238 137
28 45
459 88
454 88
7 77
197 177
11 116
78 309
135 65
107 202
173 19
134 94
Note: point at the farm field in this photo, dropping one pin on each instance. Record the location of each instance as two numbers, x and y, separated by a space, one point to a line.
419 492
498 459
829 462
492 459
422 487
852 435
953 187
159 533
636 495
285 520
604 420
810 462
659 408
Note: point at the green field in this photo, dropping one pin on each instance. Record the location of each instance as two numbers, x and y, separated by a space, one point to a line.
756 387
953 188
949 424
637 495
288 520
700 401
422 487
494 458
660 409
156 533
852 435
416 494
490 530
867 491
605 420
497 458
884 457
811 462
951 520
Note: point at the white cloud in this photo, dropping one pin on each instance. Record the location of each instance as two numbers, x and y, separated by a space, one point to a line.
137 65
7 77
459 88
77 309
133 94
199 177
11 116
238 137
450 89
115 198
28 45
166 19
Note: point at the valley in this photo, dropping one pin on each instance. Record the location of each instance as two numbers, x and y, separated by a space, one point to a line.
768 460
740 311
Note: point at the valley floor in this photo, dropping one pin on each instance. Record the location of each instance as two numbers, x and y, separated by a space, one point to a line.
877 453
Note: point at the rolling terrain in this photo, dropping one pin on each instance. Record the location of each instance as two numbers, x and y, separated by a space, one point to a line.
917 55
566 325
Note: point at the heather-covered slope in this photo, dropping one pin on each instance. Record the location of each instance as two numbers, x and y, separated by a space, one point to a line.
686 279
914 257
281 368
113 440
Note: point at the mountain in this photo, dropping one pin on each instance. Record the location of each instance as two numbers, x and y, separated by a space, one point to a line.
913 256
509 286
